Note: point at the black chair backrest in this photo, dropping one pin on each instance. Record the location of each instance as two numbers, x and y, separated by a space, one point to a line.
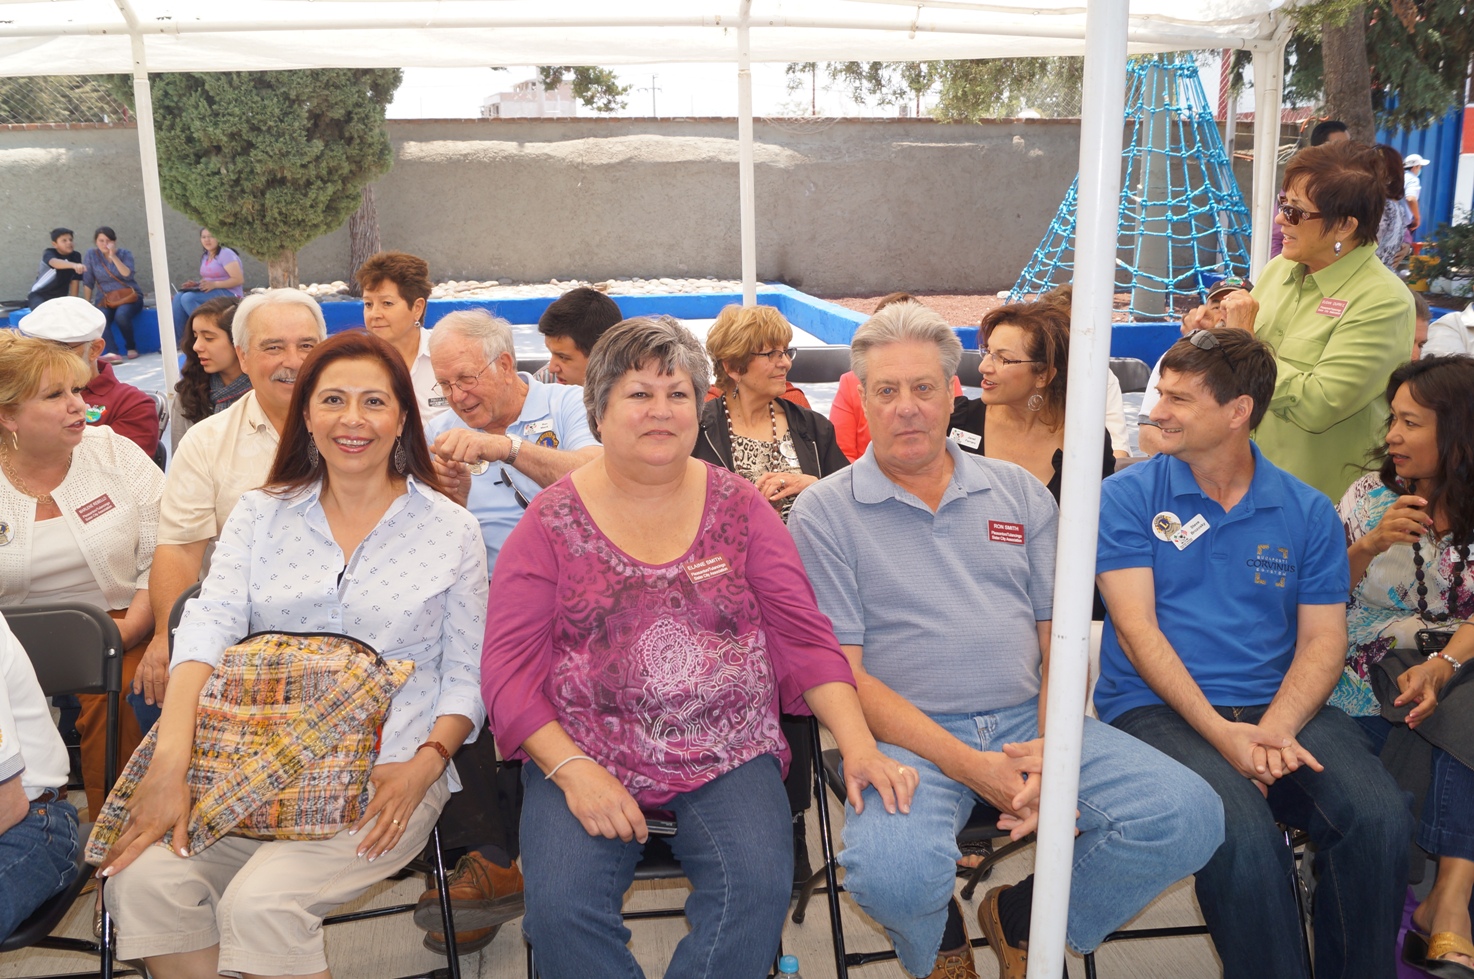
820 365
969 371
177 612
1131 372
531 365
75 648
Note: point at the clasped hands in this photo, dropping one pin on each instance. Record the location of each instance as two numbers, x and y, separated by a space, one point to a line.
1261 753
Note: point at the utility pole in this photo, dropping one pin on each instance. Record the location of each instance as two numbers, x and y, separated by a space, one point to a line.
652 90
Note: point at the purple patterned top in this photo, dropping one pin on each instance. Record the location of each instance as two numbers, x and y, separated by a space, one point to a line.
670 674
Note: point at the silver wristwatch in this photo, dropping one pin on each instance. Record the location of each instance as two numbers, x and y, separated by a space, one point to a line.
516 441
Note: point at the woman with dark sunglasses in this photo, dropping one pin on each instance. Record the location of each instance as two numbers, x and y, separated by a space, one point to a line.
753 429
1338 320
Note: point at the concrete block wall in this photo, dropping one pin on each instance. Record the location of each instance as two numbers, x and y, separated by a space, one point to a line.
849 205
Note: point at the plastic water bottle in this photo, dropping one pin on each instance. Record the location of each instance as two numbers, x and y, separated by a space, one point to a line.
788 967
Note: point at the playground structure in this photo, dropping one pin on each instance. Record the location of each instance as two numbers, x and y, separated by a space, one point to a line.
1181 213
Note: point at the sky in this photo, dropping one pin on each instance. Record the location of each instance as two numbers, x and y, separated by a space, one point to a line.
680 90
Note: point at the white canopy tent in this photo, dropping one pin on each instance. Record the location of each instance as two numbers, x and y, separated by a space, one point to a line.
49 37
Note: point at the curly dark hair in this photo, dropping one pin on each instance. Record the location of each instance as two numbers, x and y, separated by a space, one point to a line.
194 384
1441 384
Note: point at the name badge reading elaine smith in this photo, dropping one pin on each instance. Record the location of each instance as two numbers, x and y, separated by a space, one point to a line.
711 567
1331 307
1005 533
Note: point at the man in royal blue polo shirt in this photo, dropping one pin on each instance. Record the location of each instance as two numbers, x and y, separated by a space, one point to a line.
1225 582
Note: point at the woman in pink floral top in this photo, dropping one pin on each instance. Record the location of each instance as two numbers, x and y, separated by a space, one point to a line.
649 619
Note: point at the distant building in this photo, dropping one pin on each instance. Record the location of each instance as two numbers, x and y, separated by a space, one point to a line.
530 100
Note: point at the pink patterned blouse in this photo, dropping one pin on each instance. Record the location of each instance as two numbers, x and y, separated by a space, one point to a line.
671 674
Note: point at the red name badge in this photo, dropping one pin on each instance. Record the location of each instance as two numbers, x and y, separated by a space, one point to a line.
711 567
1332 307
1005 533
93 509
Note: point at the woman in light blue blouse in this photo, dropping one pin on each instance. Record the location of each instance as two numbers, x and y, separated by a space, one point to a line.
350 535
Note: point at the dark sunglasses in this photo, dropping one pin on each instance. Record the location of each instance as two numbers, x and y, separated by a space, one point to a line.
1205 340
1294 215
506 480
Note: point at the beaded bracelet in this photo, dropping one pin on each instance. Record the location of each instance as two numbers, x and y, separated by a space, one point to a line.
439 750
1446 658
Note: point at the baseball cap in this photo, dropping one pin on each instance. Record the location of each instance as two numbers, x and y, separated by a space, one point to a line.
1414 160
1229 284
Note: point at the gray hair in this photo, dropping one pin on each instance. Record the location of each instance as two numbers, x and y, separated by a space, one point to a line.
633 344
240 327
908 322
492 332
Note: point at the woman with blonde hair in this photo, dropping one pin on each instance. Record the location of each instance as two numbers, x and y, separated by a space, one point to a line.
752 430
79 513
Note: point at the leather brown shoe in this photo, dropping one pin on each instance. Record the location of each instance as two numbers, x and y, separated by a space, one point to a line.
482 895
1013 963
955 964
466 941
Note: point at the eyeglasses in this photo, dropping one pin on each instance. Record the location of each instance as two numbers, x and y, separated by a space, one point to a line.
506 481
1005 361
790 352
1294 215
465 382
1205 340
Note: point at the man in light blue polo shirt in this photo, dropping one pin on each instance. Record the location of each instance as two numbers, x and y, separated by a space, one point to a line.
506 436
937 570
520 433
1225 582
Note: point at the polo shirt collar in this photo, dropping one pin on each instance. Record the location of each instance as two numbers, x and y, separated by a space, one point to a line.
538 403
104 382
872 485
1334 276
255 414
1265 486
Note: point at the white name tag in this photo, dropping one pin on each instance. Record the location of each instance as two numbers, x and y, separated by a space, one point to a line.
969 439
1190 532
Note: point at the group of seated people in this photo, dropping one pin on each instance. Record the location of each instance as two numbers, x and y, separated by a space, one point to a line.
632 585
105 276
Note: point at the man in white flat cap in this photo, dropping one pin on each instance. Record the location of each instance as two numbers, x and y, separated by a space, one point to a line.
74 322
1412 187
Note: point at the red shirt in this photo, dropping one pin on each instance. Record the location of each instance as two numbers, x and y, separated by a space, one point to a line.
123 408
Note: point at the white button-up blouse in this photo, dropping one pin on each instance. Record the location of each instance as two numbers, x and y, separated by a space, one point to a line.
415 589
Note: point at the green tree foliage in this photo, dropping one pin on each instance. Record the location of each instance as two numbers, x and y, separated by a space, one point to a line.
270 160
58 98
596 88
966 90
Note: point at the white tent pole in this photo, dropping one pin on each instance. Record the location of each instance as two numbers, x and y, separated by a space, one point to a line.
746 190
153 205
1269 84
1101 138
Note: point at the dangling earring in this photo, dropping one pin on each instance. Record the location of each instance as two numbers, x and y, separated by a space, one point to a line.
1337 249
15 440
313 456
401 457
1036 401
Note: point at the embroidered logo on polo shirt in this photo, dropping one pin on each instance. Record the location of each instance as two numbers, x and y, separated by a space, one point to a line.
95 413
1264 563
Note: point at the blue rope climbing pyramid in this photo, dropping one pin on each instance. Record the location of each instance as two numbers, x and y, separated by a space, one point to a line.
1181 212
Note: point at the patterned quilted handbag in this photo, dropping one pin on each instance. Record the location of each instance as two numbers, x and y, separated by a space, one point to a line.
285 737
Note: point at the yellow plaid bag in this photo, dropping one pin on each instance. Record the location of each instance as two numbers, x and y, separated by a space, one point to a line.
285 737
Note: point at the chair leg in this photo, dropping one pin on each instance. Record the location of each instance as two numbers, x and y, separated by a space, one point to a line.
1089 965
1301 911
826 838
531 962
447 919
105 962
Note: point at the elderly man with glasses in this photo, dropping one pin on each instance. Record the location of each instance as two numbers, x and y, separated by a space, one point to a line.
1225 582
506 437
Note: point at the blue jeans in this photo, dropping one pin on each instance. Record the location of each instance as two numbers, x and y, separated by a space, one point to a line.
1356 817
735 844
185 303
1447 829
37 859
1145 823
120 326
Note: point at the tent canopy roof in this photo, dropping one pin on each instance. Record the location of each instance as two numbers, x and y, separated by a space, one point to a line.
42 37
